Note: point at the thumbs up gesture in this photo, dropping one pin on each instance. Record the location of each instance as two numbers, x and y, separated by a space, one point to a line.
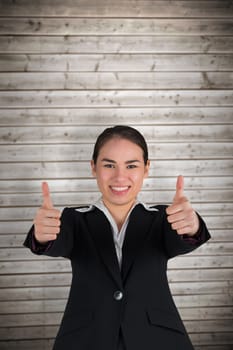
180 213
47 220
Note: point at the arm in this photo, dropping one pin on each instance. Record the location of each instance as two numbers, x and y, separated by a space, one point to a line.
177 244
64 242
184 229
52 232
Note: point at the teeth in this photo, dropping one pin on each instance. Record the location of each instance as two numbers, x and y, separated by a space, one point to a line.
119 189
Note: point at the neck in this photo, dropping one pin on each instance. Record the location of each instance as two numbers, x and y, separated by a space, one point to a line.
119 212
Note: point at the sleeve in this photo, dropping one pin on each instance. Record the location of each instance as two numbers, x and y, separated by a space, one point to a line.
63 245
199 237
35 246
181 244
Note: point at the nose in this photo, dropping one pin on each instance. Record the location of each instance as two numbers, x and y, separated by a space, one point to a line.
120 173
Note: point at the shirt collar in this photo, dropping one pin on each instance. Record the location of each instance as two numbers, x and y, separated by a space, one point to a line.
100 205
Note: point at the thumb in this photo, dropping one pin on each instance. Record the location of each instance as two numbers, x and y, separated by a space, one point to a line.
179 189
47 201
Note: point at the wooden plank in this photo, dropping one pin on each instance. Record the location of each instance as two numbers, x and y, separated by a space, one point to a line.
83 152
36 332
204 300
185 262
83 185
61 292
32 264
51 306
27 213
106 98
43 319
115 44
60 279
45 344
45 280
196 288
199 275
210 249
218 338
60 199
114 26
149 8
219 222
26 320
105 117
209 326
87 134
35 306
115 63
220 235
214 347
16 240
12 240
36 293
20 227
117 81
215 248
43 265
23 227
73 170
206 313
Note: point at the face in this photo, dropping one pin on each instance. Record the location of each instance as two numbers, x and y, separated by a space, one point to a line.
120 170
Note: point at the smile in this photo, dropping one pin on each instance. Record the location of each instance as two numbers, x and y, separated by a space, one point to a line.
119 190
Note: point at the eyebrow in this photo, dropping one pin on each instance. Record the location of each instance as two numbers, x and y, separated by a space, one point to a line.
114 162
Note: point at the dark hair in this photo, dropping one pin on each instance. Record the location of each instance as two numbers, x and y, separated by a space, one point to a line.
122 132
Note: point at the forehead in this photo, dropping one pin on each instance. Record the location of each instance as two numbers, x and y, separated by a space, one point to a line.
118 148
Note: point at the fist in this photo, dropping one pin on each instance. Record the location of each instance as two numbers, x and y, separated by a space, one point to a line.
47 220
180 213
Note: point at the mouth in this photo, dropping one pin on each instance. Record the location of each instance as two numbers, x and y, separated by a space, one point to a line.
119 190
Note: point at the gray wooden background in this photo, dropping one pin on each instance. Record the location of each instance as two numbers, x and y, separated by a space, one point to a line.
70 68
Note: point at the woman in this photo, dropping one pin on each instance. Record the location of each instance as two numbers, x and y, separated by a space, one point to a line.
119 248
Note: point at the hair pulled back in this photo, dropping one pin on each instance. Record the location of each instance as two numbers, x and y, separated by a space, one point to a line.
121 132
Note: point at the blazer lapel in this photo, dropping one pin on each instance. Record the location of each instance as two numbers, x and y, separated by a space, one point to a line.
138 228
101 232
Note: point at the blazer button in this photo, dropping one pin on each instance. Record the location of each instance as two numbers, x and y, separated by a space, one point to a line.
118 295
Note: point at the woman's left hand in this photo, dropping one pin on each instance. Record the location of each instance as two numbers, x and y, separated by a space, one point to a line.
180 213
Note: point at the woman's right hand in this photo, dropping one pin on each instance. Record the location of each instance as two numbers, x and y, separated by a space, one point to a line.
47 220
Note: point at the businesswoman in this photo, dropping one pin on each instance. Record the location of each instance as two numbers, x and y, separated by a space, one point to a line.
119 248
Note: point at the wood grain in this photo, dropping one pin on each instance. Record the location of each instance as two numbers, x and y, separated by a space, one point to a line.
70 69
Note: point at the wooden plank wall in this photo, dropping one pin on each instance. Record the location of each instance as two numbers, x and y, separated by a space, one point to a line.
70 68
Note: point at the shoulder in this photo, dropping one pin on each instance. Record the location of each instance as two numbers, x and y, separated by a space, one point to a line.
155 207
78 210
153 210
160 207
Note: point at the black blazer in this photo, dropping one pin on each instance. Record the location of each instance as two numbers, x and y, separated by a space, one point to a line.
104 298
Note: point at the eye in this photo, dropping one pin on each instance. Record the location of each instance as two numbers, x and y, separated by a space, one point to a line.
131 166
109 166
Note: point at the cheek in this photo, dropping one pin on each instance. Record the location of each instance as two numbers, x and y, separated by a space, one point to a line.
102 177
138 178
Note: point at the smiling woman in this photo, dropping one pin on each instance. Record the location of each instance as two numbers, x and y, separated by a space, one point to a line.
120 171
119 249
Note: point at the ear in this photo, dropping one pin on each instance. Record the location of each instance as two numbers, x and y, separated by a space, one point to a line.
147 166
93 168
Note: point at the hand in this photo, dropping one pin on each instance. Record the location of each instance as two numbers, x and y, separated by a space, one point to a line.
47 220
180 214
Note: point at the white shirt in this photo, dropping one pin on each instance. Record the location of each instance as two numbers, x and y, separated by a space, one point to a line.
118 236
